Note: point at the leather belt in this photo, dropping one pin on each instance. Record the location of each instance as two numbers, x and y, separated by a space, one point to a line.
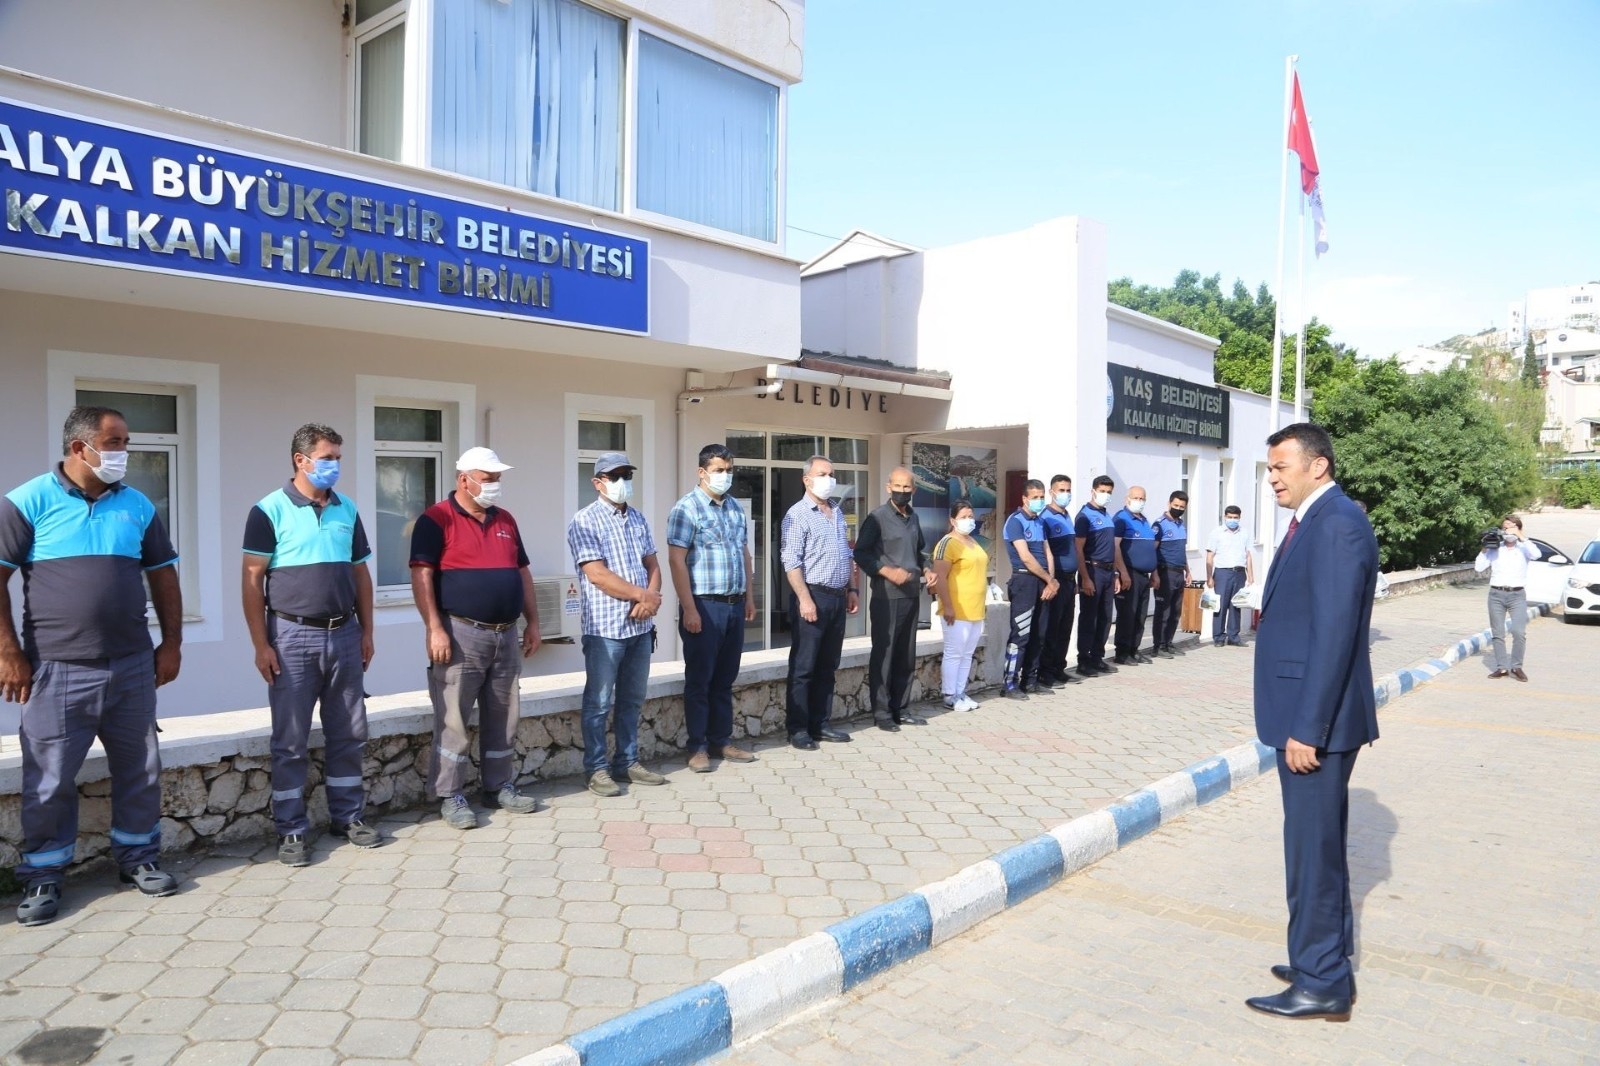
1098 565
840 591
316 623
732 597
1235 569
492 627
1507 588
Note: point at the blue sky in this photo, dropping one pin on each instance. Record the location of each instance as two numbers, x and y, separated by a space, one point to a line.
1459 140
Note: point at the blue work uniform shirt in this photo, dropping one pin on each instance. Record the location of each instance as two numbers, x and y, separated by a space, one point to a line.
1172 541
1138 540
311 549
1026 527
1098 533
1059 531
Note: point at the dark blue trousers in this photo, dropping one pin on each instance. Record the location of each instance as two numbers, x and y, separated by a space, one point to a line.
813 660
1133 606
1316 862
711 660
1058 624
1225 622
1094 618
320 668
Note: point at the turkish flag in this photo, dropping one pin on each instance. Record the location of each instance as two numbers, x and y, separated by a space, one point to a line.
1300 141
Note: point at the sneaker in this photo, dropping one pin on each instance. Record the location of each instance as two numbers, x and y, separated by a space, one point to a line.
700 763
292 850
600 784
150 879
966 703
507 798
458 813
358 833
39 904
733 753
952 702
640 776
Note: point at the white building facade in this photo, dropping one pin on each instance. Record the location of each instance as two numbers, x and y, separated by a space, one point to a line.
1557 307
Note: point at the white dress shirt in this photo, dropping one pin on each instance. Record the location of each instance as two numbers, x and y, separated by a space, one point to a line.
1507 564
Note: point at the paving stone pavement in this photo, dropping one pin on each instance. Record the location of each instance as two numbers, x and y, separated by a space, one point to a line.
476 947
1477 874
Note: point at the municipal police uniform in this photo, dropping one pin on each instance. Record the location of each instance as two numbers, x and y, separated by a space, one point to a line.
1133 602
1029 623
1060 534
311 602
85 633
1172 561
1095 529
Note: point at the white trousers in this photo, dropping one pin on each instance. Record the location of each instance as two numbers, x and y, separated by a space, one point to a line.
960 642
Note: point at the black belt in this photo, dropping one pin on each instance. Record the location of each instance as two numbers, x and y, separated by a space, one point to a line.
1174 566
316 623
492 627
1141 573
1098 565
1235 569
840 591
1507 588
732 597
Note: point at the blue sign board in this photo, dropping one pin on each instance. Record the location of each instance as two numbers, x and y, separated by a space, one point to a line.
81 190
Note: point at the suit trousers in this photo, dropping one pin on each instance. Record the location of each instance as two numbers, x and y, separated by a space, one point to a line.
1225 622
1316 860
1058 625
1094 618
1133 606
1169 606
813 660
894 653
711 661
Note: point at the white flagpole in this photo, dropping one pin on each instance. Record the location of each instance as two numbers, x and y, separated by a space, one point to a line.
1283 204
1300 310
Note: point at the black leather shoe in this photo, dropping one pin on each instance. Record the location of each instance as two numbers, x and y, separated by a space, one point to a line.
835 736
1015 694
1029 689
912 719
1164 652
1299 1004
888 725
1044 681
803 741
1286 974
1123 660
1142 659
1173 649
1104 667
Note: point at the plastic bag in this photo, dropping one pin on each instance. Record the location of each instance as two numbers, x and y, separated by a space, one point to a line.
1249 596
1210 601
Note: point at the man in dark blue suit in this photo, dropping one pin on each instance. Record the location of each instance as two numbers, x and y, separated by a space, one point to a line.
1314 704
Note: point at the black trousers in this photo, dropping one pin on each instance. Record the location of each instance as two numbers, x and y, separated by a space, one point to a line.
1094 618
1133 606
813 660
1028 627
1169 605
1058 624
894 653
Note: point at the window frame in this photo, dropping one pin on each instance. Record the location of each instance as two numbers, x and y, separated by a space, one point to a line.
407 449
360 34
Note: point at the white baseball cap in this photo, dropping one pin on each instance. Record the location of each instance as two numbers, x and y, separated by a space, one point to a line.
481 459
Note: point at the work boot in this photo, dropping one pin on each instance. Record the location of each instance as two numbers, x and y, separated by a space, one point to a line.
292 850
150 879
507 798
357 832
457 812
39 904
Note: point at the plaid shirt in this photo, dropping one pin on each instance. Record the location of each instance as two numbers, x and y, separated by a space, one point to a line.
621 539
714 534
816 544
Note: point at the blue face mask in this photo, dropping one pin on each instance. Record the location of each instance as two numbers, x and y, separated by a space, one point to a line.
1233 523
324 473
1036 506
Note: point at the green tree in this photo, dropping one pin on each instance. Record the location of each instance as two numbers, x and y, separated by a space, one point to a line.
1432 456
1530 365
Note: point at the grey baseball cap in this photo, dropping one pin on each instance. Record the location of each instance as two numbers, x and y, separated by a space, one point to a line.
610 461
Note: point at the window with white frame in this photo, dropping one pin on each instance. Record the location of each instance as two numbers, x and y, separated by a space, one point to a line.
380 75
411 476
1224 472
161 435
598 434
1185 470
707 141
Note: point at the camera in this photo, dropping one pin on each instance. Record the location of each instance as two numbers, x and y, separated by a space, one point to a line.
1491 539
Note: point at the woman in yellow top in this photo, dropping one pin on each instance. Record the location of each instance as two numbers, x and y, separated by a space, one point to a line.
962 567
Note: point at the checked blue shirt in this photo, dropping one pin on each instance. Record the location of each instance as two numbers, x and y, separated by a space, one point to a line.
620 538
714 534
816 544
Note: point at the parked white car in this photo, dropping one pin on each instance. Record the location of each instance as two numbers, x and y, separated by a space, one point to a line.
1548 573
1581 597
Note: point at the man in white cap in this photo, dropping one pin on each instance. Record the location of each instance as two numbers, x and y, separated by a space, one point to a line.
470 581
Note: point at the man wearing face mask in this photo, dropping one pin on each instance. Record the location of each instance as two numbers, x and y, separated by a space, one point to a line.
1228 569
1031 588
890 550
308 605
620 580
817 562
470 582
1172 573
1062 537
708 552
1098 580
1136 566
86 544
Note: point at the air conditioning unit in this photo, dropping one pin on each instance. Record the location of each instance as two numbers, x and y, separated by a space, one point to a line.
560 607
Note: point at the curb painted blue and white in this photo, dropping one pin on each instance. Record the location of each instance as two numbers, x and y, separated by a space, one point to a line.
741 1003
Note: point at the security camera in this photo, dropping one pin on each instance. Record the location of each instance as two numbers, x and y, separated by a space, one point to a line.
697 399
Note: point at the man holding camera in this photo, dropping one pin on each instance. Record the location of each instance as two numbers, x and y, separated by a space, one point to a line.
1505 555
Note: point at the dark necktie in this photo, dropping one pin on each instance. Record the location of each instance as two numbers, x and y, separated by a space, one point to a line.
1294 524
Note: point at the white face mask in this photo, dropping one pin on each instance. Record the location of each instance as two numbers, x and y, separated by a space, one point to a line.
719 483
619 491
113 465
822 486
488 494
965 526
1102 498
1136 506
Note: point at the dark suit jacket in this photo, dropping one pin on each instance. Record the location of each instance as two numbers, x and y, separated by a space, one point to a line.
1313 668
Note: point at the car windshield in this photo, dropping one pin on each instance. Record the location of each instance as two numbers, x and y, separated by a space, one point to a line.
1591 554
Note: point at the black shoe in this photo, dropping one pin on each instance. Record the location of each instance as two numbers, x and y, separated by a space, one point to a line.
908 718
1087 670
292 850
39 904
1142 659
1015 694
363 835
888 725
1122 659
1164 652
835 736
803 741
150 879
1218 643
1286 974
1235 643
1104 667
1299 1004
1173 649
